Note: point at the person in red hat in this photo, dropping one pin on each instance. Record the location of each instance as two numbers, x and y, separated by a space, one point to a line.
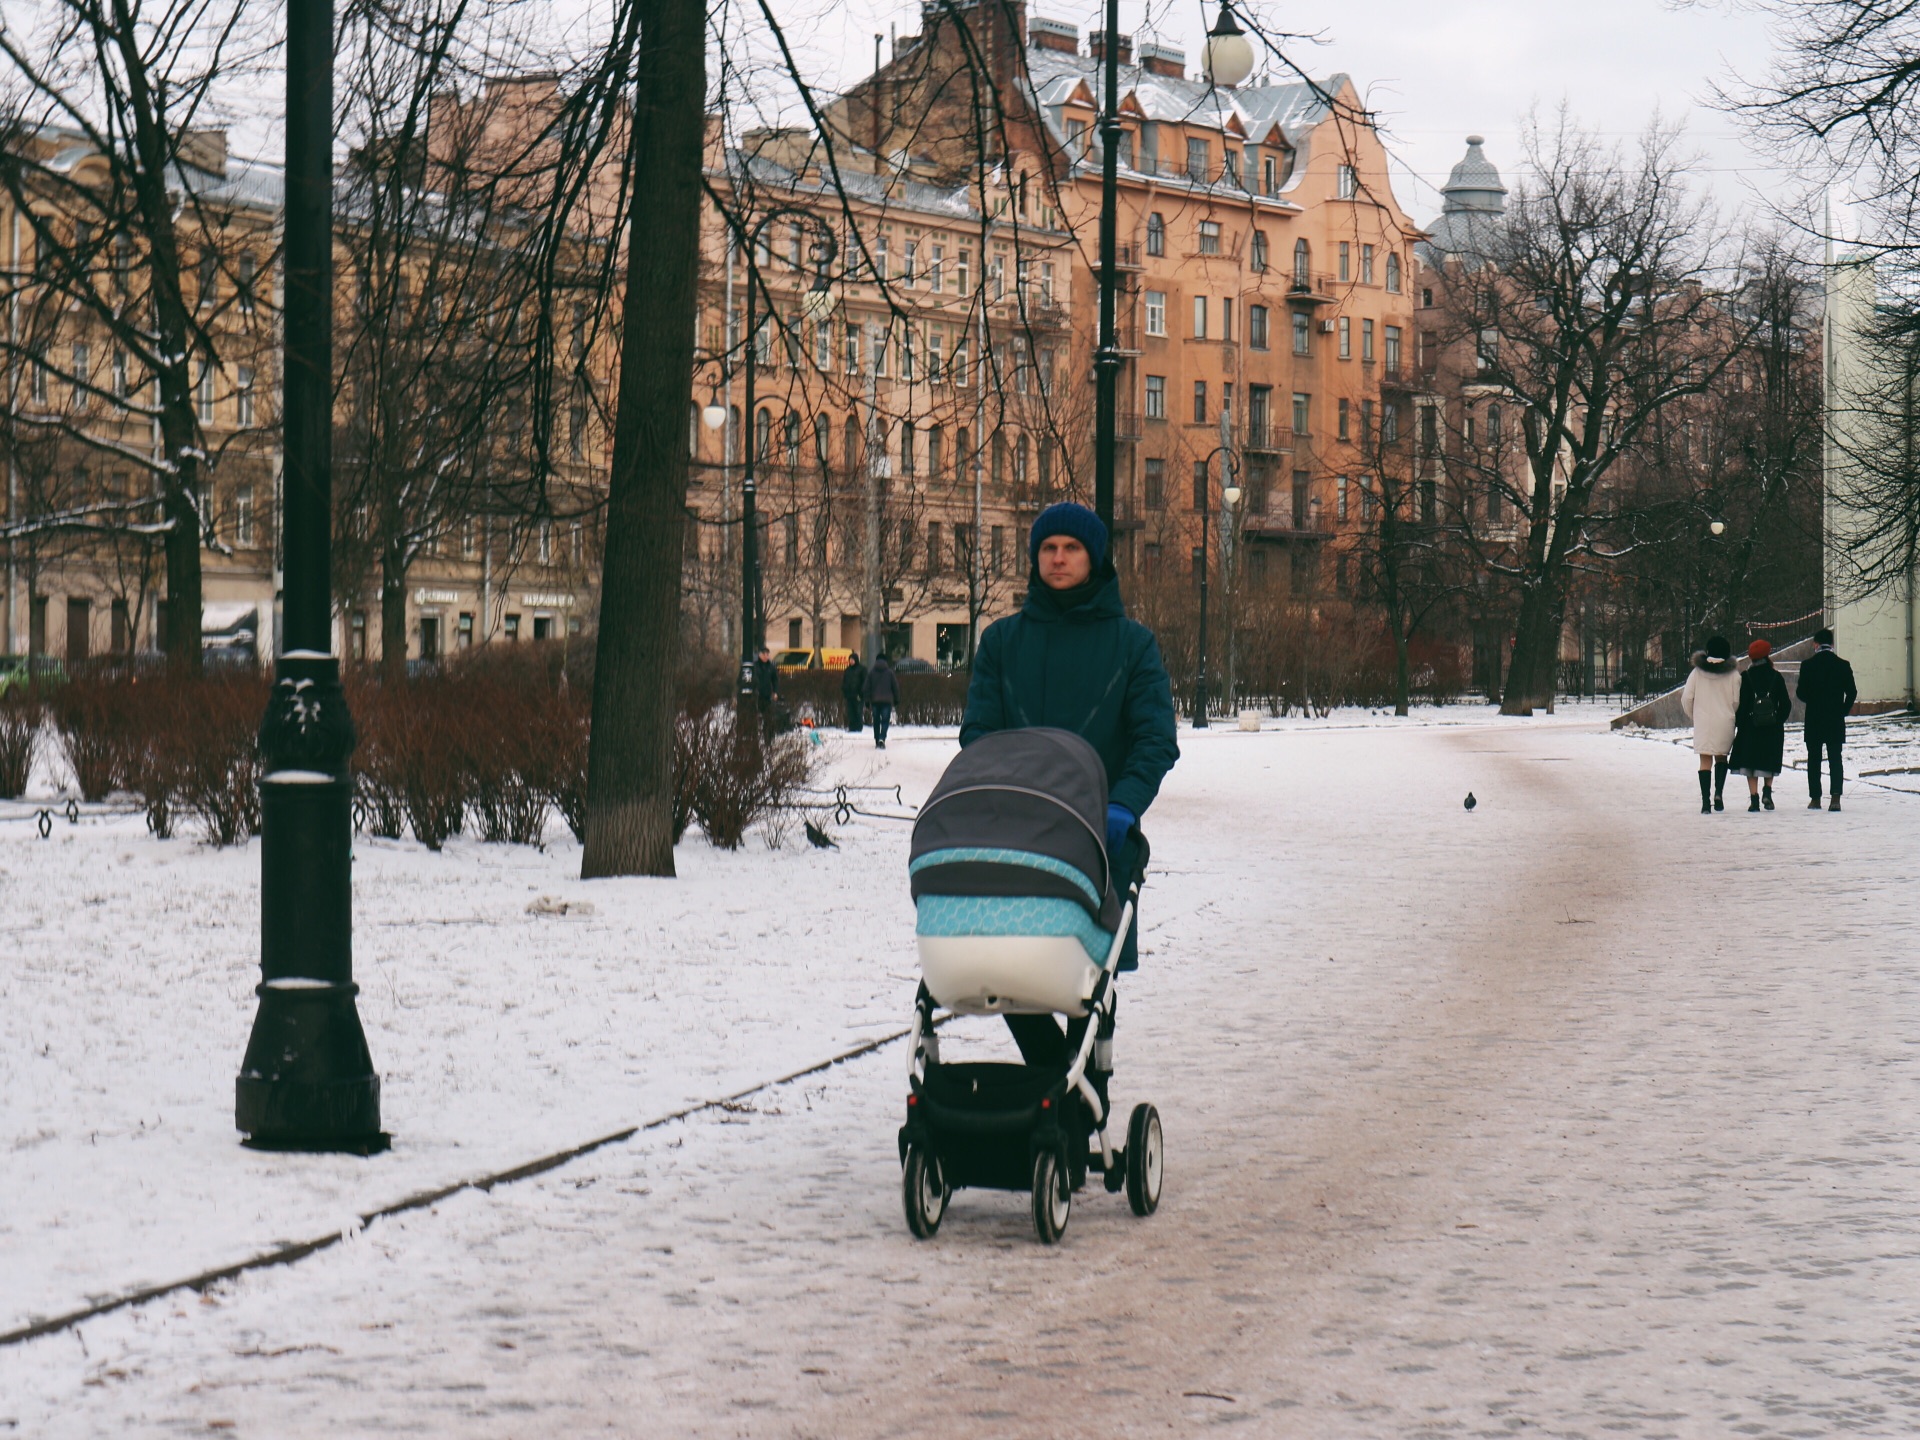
1760 725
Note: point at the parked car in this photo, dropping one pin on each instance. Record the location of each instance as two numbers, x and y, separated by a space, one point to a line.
17 671
914 665
792 662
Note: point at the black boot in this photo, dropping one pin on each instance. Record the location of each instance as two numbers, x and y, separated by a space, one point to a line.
1706 792
1753 804
1719 784
1766 797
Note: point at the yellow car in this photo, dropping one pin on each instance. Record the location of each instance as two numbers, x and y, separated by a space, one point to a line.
792 662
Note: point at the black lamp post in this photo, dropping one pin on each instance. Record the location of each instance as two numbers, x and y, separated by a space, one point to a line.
1106 359
1230 494
307 1082
818 305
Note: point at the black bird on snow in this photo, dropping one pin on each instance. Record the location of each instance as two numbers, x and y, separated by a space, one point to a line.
1471 802
820 839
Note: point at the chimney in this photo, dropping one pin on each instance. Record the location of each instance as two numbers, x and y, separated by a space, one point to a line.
1164 60
1097 46
205 150
1045 34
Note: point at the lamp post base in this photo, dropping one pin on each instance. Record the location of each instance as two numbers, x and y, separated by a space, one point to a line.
307 1082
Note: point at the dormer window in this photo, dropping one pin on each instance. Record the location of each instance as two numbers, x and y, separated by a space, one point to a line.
1198 161
1230 166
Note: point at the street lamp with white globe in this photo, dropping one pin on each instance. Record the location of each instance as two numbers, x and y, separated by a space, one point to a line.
1228 58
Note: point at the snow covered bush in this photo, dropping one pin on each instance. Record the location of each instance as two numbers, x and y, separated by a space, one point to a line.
21 716
96 717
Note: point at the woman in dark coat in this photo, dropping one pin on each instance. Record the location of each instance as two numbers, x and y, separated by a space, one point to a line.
1760 725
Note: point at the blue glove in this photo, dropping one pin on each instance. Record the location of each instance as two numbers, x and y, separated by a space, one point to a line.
1119 821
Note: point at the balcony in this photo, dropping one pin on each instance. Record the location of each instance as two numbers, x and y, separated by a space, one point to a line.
1287 527
1130 256
1315 289
1127 425
1264 437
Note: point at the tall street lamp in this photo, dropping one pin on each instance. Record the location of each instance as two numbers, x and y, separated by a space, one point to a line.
817 305
1230 497
307 1081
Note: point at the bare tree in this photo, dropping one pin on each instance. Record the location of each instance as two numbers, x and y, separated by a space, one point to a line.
114 328
1595 307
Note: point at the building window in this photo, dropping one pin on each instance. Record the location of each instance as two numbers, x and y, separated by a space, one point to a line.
1230 165
1302 413
1302 334
1200 486
1346 262
1199 402
1209 237
204 391
1257 326
1343 327
763 434
937 450
997 556
1156 312
1426 297
1389 423
907 447
790 434
1347 182
122 377
1257 254
1197 160
243 396
1155 484
1366 342
1393 347
243 516
1366 264
1156 397
82 376
246 278
1156 234
1199 317
1393 272
1340 497
1302 265
1345 420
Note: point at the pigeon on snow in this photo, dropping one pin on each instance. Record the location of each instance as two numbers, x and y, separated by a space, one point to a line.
819 838
1471 802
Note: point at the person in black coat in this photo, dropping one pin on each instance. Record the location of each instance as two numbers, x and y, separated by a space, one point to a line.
1826 688
766 688
883 693
1760 725
853 690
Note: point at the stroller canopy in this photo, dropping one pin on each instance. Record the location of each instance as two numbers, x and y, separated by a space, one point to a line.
1019 813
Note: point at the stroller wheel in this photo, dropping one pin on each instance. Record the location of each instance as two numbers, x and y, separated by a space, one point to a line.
923 1192
1052 1196
1144 1160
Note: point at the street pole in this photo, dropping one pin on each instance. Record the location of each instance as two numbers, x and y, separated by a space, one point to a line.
1107 359
749 520
870 549
1206 544
1226 539
307 1082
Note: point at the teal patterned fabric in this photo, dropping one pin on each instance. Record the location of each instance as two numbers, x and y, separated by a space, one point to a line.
988 915
1026 858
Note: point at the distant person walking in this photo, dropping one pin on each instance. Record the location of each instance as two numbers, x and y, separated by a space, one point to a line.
766 688
853 690
1710 700
1826 688
1760 725
883 693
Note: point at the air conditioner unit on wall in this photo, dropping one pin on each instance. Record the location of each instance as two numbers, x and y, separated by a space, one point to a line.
1326 327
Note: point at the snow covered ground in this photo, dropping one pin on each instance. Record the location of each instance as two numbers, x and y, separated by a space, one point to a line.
1582 1113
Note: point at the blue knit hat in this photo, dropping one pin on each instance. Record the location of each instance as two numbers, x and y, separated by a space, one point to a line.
1069 519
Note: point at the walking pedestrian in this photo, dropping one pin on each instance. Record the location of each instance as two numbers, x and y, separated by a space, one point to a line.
1072 659
766 688
1710 700
853 690
1826 688
1760 725
883 693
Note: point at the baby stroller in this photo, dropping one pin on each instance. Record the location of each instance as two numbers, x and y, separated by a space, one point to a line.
1018 914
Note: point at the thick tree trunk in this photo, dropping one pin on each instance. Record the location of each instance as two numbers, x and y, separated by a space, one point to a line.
1536 651
1401 685
182 639
629 829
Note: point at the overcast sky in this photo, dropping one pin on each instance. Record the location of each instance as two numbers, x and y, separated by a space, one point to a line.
1439 70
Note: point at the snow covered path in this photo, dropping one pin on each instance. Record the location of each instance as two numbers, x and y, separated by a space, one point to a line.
1581 1114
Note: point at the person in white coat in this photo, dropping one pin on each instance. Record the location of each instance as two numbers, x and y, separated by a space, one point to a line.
1711 699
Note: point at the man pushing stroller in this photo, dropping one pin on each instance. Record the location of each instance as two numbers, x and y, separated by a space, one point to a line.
1071 659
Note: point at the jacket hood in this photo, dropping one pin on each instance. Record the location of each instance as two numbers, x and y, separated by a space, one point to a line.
1712 667
1096 599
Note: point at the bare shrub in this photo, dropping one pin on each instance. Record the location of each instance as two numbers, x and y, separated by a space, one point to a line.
216 724
94 716
737 778
21 716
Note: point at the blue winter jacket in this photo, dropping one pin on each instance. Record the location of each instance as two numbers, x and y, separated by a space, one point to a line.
1073 659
